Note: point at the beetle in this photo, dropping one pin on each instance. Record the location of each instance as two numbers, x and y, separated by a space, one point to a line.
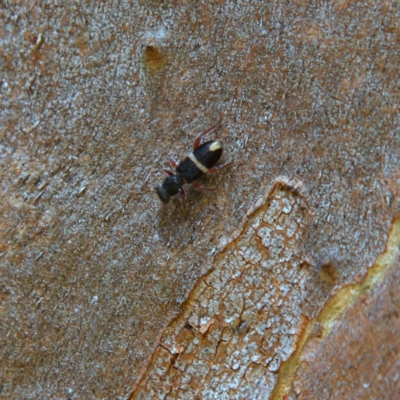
201 161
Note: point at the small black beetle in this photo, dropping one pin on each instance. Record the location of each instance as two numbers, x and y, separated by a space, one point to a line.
201 161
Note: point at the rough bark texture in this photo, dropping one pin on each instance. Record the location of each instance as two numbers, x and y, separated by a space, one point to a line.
96 96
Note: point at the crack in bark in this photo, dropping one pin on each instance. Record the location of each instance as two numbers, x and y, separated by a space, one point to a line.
219 302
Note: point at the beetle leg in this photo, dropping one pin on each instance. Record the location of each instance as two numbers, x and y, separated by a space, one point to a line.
173 162
197 141
169 172
183 197
217 169
200 187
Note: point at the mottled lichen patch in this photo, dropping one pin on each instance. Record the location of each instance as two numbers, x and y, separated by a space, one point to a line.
242 320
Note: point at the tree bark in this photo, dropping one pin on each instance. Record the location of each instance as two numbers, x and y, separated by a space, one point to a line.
282 282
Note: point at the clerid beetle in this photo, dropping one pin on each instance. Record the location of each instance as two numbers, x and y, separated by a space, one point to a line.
201 161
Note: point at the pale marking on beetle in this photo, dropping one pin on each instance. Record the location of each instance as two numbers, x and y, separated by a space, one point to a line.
216 146
198 164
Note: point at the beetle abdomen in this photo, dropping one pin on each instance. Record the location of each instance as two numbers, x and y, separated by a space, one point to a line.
208 153
200 161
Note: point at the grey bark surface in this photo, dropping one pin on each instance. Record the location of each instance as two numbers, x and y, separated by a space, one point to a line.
95 98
